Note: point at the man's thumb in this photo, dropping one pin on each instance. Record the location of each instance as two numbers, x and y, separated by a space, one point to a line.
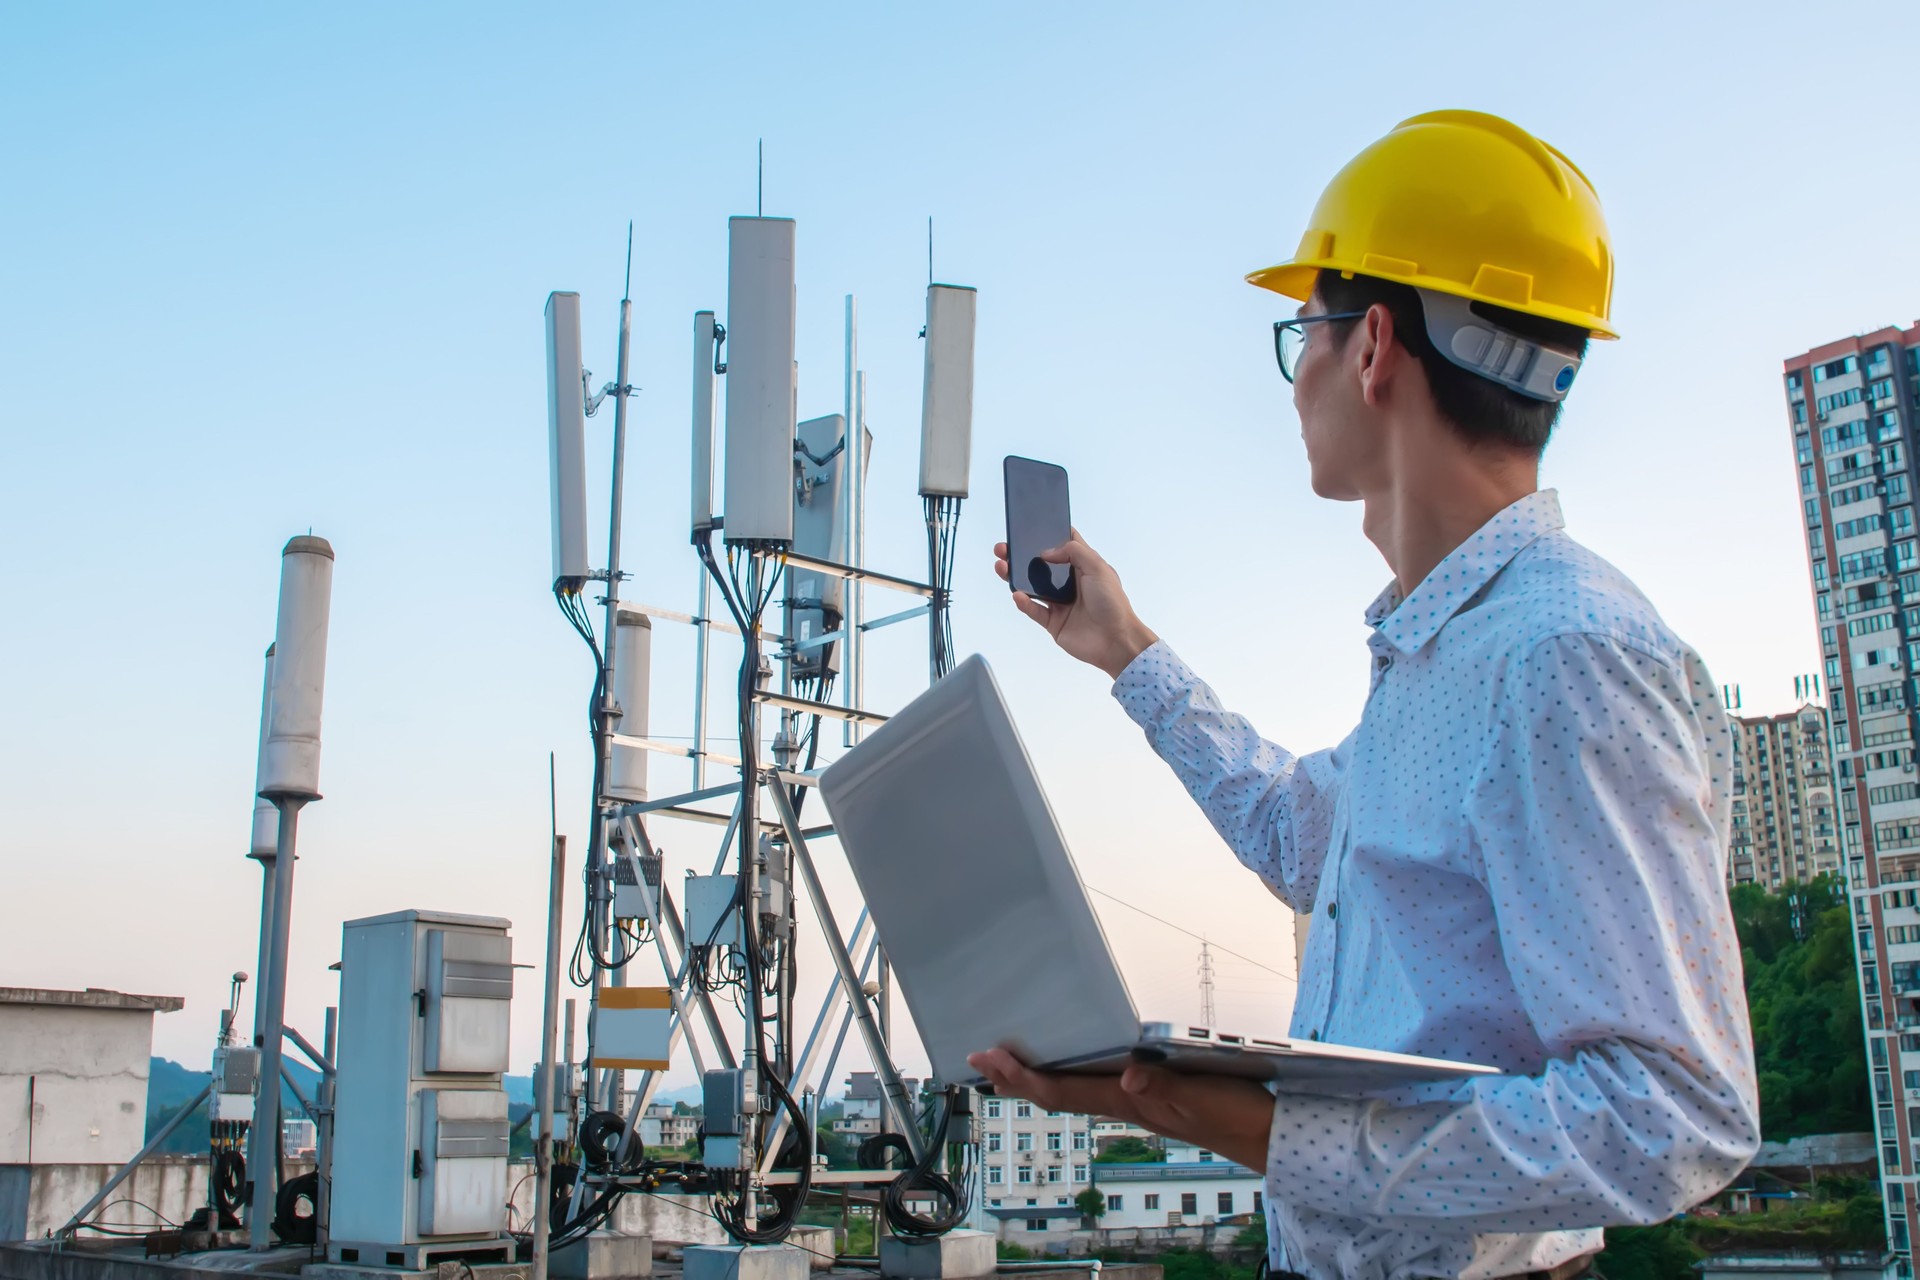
1073 552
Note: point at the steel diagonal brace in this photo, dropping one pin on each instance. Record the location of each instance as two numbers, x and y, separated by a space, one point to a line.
893 1090
803 1071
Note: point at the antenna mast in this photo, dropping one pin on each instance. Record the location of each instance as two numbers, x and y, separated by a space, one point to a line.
1207 1011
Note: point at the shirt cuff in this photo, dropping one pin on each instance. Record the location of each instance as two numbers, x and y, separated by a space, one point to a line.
1313 1151
1151 680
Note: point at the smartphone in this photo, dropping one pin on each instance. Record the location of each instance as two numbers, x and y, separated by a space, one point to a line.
1037 521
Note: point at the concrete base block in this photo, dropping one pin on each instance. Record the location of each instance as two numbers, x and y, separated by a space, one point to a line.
958 1255
818 1243
604 1255
744 1262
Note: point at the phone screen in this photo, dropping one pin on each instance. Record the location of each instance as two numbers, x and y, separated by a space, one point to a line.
1037 521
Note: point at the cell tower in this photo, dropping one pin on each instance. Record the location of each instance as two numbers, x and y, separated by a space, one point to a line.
1207 1018
785 553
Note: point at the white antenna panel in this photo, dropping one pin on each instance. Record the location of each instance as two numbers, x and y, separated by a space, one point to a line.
632 687
703 359
266 818
567 438
946 399
758 504
290 765
816 602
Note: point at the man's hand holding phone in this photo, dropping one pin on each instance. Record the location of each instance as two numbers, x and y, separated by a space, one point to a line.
1098 626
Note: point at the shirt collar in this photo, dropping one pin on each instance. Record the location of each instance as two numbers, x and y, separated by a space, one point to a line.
1408 624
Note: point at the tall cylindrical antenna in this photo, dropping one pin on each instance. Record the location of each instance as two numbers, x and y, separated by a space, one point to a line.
290 762
632 668
266 823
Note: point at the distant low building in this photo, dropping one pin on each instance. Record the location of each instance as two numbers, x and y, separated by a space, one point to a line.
1107 1131
660 1127
1197 1193
299 1138
1792 1265
863 1112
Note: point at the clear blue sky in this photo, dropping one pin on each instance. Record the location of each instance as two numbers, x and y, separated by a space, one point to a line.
267 271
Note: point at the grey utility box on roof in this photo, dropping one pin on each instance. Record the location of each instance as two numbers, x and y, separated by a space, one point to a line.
420 1128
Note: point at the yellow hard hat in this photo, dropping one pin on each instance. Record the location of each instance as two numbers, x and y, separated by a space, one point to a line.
1464 203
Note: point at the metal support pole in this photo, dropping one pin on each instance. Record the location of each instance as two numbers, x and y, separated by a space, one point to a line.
120 1176
543 1087
894 1090
599 887
263 1165
323 1154
853 470
267 865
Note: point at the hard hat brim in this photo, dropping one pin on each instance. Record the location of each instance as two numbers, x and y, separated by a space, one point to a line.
1295 280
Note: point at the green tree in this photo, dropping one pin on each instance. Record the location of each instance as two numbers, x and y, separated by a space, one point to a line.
1803 997
1091 1203
1662 1252
1128 1151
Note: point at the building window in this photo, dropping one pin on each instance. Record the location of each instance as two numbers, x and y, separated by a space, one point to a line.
1060 1200
1152 1202
1023 1142
1036 1224
993 1142
1189 1202
1226 1203
996 1175
1115 1204
1053 1140
1079 1140
1023 1175
1079 1173
993 1108
1258 1205
1053 1173
1206 1157
1023 1111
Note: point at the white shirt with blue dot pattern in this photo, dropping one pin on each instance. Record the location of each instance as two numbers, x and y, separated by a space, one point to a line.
1516 859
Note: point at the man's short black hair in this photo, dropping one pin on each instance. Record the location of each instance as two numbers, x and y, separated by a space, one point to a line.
1480 409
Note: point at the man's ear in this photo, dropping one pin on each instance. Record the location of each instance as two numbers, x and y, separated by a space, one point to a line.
1375 352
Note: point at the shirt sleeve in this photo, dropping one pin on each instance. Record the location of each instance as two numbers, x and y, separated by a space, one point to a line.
1603 847
1273 808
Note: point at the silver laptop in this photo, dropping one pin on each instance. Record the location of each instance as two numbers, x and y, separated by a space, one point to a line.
989 929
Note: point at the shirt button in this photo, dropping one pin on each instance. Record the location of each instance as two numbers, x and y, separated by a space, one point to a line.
1333 911
1313 1035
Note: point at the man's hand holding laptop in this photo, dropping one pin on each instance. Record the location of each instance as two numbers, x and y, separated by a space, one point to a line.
1216 1113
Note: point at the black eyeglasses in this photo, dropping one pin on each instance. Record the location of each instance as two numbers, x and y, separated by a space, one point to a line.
1290 338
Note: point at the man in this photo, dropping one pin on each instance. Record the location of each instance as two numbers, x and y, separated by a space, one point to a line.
1517 858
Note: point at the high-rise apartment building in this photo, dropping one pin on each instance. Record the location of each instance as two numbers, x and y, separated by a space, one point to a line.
1784 826
1853 408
